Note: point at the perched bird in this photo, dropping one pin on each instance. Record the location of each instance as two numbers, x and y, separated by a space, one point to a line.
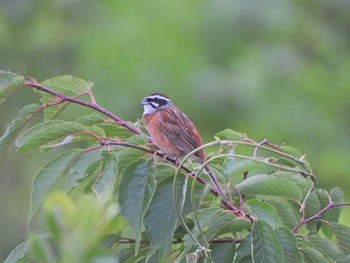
170 129
172 132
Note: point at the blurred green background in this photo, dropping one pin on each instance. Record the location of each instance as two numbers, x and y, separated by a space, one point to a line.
272 69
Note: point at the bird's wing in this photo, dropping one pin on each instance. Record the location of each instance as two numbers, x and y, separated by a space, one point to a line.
180 130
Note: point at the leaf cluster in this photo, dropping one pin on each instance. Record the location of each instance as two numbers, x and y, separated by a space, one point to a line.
135 204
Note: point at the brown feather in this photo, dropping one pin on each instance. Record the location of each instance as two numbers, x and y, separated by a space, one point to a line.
174 133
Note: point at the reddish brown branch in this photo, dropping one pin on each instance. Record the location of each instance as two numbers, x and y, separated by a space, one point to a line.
85 104
318 215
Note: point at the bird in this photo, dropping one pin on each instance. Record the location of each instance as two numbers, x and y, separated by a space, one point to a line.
173 132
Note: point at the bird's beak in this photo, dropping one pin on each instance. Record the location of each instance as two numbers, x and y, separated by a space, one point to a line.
143 102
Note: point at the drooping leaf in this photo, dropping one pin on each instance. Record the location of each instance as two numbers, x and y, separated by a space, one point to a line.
8 83
15 126
229 134
265 243
136 189
289 245
45 133
109 169
79 168
263 210
65 85
47 175
161 218
264 184
342 235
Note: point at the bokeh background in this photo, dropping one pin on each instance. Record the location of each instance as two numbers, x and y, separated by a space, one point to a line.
272 69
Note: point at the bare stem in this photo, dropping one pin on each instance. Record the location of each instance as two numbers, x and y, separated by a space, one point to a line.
318 215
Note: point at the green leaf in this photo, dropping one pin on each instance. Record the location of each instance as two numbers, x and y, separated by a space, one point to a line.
8 83
265 243
161 219
222 252
312 207
111 129
18 253
47 175
263 210
342 235
244 251
127 156
288 217
325 246
40 249
15 126
229 134
216 223
105 181
311 254
44 133
289 245
79 168
136 189
296 154
264 184
66 85
237 166
333 214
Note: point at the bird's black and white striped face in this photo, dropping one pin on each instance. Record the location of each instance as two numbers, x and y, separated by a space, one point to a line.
154 102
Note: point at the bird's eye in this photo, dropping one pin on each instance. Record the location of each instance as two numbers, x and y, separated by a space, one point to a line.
155 99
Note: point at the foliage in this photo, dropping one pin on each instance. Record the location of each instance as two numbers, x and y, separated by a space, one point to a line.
135 204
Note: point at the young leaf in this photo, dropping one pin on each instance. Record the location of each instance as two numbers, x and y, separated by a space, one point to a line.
105 181
289 245
47 176
14 127
161 218
263 210
229 134
264 184
66 85
136 189
266 246
8 83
